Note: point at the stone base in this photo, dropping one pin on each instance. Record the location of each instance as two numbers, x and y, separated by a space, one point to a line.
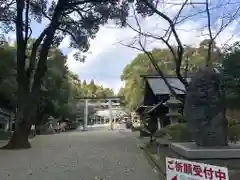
192 151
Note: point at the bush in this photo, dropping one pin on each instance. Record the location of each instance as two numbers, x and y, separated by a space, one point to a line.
178 132
234 133
161 133
129 125
74 125
232 122
233 130
138 128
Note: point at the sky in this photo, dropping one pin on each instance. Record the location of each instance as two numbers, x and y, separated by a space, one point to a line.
107 57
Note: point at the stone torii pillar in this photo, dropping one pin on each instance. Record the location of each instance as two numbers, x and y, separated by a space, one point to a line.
85 115
110 113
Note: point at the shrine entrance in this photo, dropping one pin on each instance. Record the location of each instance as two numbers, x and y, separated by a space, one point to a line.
101 103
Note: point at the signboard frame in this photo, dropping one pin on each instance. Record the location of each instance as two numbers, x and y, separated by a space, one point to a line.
179 169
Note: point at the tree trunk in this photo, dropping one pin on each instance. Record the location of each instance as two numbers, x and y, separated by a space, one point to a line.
28 99
19 139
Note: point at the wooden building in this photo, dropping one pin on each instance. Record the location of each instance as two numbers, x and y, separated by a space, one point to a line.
156 93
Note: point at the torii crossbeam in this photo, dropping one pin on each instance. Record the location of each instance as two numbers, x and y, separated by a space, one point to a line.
109 103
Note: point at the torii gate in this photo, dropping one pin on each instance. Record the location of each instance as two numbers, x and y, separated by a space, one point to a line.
109 104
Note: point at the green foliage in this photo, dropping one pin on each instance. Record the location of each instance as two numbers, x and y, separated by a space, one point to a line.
88 17
138 128
60 87
233 130
133 91
8 84
234 133
74 125
231 75
232 122
178 132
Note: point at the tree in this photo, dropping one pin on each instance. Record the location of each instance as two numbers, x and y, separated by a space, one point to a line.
226 12
19 13
231 75
51 96
134 84
92 87
8 84
59 90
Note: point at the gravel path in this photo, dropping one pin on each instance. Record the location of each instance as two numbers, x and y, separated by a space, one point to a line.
88 155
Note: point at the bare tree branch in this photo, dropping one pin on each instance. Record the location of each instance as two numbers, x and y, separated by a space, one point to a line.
208 58
223 26
180 49
149 55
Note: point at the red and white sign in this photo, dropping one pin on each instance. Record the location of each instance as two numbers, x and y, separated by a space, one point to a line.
178 169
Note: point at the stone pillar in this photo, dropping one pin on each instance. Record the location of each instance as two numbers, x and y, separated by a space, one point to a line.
204 109
85 115
105 121
110 113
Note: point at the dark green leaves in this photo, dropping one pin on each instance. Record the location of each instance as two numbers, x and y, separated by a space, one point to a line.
231 75
38 8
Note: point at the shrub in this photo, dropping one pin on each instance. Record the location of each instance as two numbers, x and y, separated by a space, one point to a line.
232 122
161 133
233 130
234 133
74 125
178 132
138 128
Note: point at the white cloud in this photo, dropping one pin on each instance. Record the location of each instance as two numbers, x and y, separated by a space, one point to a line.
107 58
97 66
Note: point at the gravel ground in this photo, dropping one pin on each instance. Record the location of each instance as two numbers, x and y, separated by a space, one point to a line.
92 155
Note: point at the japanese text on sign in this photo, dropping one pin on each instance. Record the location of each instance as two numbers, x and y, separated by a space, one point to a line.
187 170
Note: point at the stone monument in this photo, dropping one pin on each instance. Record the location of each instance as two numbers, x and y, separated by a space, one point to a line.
204 109
204 112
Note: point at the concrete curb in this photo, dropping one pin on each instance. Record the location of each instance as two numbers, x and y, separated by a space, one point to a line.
151 158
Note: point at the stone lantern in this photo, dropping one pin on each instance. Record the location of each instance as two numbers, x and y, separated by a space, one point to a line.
173 104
